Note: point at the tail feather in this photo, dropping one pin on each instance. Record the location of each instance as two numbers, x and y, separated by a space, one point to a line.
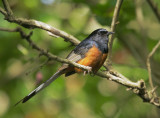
41 87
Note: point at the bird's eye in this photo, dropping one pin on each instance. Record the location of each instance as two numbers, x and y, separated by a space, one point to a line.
101 32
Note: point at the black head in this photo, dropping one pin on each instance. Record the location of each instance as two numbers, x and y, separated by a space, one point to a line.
100 34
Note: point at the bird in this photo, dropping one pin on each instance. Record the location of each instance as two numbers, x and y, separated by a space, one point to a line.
92 52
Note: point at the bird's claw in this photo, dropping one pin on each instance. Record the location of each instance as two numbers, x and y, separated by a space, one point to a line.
88 71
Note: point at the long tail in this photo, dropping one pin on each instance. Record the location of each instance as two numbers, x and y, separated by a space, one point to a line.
41 87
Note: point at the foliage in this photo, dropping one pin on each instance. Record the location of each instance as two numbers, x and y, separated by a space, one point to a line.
77 96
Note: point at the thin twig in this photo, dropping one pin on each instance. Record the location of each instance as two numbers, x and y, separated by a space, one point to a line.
38 67
149 65
9 30
3 11
36 24
154 8
7 7
43 52
108 62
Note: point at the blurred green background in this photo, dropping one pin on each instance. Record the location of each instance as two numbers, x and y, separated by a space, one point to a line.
77 96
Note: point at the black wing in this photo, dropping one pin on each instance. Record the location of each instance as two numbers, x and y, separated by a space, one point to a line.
79 53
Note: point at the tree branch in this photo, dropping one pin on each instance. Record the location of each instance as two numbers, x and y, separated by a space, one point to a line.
7 8
36 24
138 88
149 65
108 62
9 30
42 51
3 11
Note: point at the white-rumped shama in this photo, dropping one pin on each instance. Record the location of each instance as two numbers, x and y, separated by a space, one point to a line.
90 52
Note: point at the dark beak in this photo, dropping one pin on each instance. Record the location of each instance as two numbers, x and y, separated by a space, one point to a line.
110 33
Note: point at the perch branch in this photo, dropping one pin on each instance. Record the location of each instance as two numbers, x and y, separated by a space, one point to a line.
138 88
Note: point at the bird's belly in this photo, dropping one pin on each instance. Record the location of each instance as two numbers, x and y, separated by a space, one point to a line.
93 58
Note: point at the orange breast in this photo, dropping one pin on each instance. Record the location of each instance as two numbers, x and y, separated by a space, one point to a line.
93 58
104 56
